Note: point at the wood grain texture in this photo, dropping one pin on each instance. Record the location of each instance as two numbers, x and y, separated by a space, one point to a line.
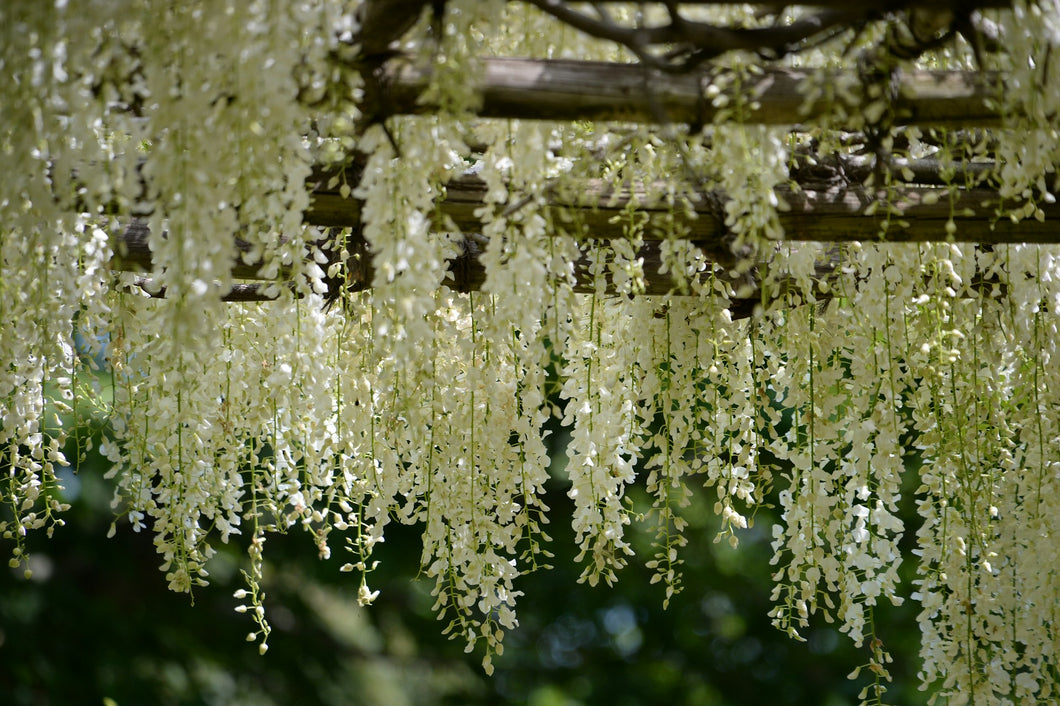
567 90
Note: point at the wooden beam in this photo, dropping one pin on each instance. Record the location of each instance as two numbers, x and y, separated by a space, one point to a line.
823 212
601 91
831 212
466 271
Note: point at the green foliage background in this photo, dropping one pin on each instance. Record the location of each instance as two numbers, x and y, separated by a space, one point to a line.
96 622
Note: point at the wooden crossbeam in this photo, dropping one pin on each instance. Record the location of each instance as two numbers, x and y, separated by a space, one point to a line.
823 212
603 91
833 212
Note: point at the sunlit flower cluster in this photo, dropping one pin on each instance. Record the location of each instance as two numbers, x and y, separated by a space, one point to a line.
831 386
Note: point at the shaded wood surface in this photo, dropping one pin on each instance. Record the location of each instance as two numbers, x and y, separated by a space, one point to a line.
601 91
825 212
822 212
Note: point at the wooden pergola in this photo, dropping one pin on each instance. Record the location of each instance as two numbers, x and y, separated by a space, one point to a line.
827 197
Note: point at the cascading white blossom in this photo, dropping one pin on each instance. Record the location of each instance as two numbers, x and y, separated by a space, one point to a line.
868 379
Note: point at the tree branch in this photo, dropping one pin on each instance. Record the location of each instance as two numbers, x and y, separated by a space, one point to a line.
384 22
704 41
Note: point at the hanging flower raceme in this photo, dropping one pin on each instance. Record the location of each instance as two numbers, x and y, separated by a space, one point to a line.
634 284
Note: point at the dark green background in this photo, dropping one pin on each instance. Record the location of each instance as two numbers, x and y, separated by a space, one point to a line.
96 622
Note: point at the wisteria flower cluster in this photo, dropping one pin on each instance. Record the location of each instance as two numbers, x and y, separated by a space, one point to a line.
414 396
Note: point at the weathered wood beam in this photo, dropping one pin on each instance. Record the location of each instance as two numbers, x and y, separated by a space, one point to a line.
824 212
601 91
466 271
831 212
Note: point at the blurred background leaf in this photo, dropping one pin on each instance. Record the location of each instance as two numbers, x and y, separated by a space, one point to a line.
96 624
